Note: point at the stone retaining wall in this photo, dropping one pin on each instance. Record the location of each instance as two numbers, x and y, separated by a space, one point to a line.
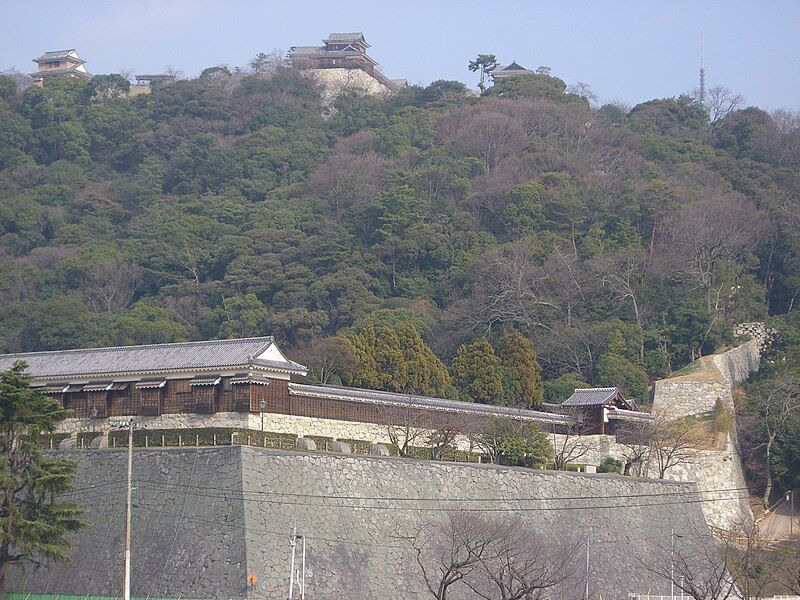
695 394
205 520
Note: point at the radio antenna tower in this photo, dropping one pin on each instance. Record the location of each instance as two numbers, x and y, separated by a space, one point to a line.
702 72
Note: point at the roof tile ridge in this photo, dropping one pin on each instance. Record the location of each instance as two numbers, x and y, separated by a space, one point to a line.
267 339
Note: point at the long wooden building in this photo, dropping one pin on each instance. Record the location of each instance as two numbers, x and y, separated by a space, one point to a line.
247 376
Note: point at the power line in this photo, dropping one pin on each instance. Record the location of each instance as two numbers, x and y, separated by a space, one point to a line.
241 497
433 499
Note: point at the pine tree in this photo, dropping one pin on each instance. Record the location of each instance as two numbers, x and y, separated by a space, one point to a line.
477 373
522 374
33 521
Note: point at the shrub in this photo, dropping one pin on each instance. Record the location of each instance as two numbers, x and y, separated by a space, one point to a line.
610 465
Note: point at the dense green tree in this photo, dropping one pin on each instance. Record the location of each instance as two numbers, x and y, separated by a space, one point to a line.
522 374
559 389
397 359
477 373
146 324
510 443
243 316
614 369
34 517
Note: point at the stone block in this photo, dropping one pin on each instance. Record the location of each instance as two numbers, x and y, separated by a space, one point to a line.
379 450
306 444
67 443
101 441
340 447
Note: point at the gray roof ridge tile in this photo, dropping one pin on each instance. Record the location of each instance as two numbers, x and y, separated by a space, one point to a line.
267 339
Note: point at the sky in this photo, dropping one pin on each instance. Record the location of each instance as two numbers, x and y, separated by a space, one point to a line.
626 50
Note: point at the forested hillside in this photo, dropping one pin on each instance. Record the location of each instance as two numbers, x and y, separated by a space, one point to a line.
621 243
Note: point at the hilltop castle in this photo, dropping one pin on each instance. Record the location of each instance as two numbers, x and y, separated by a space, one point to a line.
59 63
342 64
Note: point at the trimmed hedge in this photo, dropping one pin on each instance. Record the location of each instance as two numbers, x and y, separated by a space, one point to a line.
85 438
44 440
206 436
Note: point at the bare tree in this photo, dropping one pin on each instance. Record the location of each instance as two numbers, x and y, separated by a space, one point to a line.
110 285
703 236
406 425
735 564
721 102
633 438
622 275
326 358
488 136
448 431
671 442
570 446
495 557
772 412
449 552
520 289
584 90
22 80
523 565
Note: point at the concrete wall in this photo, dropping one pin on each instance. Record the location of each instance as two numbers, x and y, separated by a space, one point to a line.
206 519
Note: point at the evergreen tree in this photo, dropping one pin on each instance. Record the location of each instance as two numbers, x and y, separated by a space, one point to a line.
395 359
33 522
522 374
390 360
477 373
615 369
362 347
427 375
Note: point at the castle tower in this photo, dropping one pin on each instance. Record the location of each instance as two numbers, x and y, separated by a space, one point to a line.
59 63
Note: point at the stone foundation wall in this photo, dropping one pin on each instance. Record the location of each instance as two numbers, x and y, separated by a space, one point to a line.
736 365
206 520
338 81
695 394
680 398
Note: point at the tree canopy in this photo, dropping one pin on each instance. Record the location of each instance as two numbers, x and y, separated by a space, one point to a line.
245 202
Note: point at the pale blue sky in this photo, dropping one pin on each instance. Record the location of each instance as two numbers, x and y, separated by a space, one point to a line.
629 50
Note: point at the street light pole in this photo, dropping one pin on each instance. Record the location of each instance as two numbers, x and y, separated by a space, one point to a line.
126 594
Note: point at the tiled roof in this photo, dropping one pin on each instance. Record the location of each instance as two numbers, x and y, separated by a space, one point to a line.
72 70
590 397
58 55
307 50
344 37
153 358
441 404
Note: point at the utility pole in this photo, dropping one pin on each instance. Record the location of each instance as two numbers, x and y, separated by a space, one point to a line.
672 566
126 594
790 498
586 592
300 575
